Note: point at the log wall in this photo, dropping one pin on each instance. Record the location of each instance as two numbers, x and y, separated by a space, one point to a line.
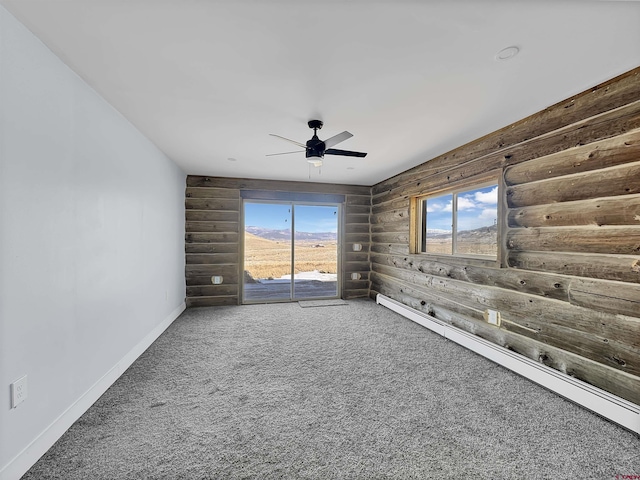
214 234
567 282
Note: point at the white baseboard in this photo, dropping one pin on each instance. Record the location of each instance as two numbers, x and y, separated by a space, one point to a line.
38 447
603 403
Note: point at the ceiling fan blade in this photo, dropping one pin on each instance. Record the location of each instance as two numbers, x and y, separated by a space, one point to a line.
336 139
346 153
284 153
288 140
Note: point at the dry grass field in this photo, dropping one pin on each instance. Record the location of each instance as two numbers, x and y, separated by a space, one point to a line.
470 248
272 259
481 241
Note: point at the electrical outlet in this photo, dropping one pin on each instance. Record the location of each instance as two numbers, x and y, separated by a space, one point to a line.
18 391
493 317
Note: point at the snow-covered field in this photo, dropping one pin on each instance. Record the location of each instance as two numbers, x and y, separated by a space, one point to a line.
314 275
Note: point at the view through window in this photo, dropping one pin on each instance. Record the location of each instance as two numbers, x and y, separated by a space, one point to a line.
461 223
290 251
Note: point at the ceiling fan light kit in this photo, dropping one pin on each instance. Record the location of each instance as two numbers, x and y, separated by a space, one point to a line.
315 149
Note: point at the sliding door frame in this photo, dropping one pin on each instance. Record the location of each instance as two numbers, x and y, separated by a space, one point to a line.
291 199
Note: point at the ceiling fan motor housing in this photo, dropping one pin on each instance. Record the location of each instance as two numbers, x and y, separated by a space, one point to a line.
315 148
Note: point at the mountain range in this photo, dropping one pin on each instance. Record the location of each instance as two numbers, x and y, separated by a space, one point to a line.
284 235
486 234
481 234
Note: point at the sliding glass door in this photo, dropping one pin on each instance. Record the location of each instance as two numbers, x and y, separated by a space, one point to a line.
290 251
315 251
267 251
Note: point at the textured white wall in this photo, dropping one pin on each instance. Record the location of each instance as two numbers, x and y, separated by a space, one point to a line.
91 239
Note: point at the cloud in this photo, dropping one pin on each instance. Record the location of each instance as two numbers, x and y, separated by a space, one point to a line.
478 201
487 198
438 207
465 203
489 214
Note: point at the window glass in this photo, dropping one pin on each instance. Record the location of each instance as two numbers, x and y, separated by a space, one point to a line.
477 222
460 223
437 231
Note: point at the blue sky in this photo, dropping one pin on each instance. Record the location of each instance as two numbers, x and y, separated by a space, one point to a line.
309 218
476 208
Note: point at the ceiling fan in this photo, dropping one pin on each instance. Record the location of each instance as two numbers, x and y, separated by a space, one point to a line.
315 149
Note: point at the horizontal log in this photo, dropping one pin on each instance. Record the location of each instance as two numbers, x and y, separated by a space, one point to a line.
420 299
606 296
201 270
473 320
212 301
402 238
599 348
464 176
358 209
356 228
350 285
608 182
612 240
212 192
211 248
361 256
606 97
357 218
533 283
212 258
212 204
390 248
360 267
205 280
276 185
361 238
401 226
520 307
601 337
364 277
211 237
348 249
296 197
624 148
212 291
212 216
229 273
395 215
392 203
622 210
594 129
446 259
350 294
206 227
621 268
364 200
612 380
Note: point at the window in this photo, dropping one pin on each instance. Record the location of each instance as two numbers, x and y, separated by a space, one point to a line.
463 222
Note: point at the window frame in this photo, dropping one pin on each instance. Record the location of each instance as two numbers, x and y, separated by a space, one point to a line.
418 217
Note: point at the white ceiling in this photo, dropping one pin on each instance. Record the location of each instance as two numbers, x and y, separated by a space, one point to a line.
208 80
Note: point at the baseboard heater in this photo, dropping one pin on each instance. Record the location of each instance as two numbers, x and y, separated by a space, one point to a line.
603 403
